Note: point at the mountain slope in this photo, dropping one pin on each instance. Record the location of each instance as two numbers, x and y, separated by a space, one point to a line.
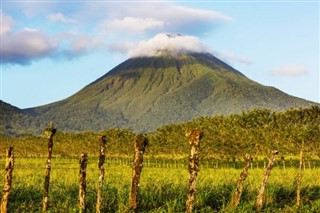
14 120
145 93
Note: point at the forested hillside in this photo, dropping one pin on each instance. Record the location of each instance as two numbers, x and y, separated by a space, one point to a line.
225 137
15 121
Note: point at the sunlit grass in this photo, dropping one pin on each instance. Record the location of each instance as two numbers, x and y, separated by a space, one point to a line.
161 189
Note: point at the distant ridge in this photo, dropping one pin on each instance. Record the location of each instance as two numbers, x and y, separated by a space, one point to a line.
14 120
144 93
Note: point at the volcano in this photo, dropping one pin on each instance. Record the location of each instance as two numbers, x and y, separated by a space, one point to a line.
144 93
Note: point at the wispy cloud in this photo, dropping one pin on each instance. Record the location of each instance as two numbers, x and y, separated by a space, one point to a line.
164 16
6 24
290 70
231 57
59 17
133 25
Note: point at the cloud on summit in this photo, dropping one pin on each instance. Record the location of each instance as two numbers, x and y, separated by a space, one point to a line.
167 43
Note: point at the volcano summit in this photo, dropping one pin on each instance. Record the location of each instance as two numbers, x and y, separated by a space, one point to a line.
144 93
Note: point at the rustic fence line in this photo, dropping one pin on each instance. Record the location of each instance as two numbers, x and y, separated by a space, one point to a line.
140 145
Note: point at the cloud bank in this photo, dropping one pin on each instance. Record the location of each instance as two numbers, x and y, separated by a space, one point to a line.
26 45
167 44
29 44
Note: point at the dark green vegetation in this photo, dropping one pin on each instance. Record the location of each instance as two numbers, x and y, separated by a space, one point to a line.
15 121
145 93
255 132
226 139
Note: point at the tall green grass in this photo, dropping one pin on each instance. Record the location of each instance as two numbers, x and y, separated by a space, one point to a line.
161 189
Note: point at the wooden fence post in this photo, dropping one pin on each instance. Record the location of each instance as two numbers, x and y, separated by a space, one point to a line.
83 184
102 158
299 180
194 142
49 132
259 202
235 200
140 145
7 180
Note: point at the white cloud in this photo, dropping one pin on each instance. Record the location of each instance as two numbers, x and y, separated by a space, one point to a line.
23 46
182 19
29 44
132 24
166 43
180 13
231 57
161 17
59 17
290 70
84 43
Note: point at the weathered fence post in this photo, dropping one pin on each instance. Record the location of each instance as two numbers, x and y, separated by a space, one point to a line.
82 186
299 179
49 132
194 142
102 158
235 200
283 162
7 180
139 148
259 202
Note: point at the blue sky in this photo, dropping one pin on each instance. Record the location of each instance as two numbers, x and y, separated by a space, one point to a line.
52 49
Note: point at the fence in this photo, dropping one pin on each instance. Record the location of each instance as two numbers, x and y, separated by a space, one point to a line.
154 162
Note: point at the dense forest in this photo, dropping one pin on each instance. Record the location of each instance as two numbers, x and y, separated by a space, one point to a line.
256 132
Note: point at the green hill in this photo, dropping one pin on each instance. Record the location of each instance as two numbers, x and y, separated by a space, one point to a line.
15 121
148 92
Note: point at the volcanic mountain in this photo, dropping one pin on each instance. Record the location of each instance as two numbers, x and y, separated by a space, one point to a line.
144 93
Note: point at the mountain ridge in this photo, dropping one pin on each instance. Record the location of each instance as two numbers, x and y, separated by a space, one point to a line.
144 93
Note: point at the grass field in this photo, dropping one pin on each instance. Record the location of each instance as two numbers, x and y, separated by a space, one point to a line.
161 189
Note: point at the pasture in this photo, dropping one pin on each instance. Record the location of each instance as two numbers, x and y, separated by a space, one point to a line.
163 187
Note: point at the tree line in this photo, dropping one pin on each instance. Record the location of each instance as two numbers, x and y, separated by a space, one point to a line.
256 132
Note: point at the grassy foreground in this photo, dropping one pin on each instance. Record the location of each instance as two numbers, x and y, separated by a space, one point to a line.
161 189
